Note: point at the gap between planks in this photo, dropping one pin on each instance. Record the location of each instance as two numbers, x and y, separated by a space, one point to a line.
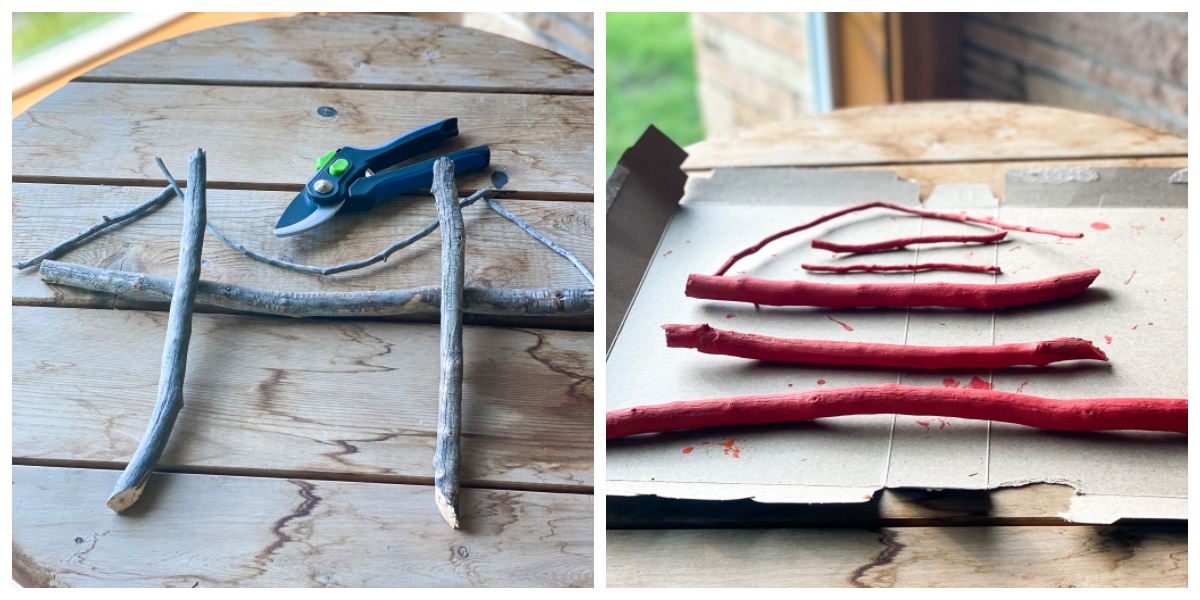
306 475
337 85
277 187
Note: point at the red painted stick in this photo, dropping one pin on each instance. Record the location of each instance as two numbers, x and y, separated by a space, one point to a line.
909 241
821 352
1098 414
916 267
851 295
924 213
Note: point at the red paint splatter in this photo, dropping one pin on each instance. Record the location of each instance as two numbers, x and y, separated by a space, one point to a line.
729 448
942 324
1023 384
820 382
1131 277
1098 226
705 443
1108 339
1018 269
741 272
950 383
924 424
1014 248
774 255
728 316
687 241
1134 328
970 254
1162 219
687 450
1139 228
668 252
789 385
943 422
847 327
1084 257
893 218
979 384
1178 236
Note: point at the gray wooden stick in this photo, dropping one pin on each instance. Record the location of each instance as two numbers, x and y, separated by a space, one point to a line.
445 457
174 358
543 302
541 238
86 235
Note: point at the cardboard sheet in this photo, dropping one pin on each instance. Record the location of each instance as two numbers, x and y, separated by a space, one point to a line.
1135 226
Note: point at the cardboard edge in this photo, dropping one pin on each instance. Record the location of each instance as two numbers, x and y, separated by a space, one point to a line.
764 493
1102 509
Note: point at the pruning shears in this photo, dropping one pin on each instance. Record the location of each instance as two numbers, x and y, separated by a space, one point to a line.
346 178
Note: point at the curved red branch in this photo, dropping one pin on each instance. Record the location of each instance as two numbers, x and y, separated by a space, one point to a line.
909 241
1097 414
821 352
917 267
924 213
851 295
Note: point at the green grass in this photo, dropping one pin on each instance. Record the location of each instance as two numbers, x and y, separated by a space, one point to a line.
651 79
34 32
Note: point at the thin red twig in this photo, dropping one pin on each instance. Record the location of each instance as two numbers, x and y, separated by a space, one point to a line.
916 267
1097 414
710 340
924 213
845 295
909 241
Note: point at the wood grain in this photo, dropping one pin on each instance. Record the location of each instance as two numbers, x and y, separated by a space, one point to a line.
220 531
268 138
362 51
1051 556
304 398
933 132
500 255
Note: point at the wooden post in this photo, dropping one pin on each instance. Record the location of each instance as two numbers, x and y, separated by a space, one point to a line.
446 457
174 359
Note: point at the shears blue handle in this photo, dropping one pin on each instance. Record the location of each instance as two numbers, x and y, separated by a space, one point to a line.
368 191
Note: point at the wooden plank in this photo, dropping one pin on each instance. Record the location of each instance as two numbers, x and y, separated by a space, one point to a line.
499 254
933 132
1037 504
1055 556
991 173
359 51
196 531
268 138
303 398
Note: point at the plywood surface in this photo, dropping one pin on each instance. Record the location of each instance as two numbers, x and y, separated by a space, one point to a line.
200 531
900 557
269 138
499 254
353 400
934 132
361 51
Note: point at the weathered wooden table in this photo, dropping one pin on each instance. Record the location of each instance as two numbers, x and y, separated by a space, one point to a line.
1008 537
303 452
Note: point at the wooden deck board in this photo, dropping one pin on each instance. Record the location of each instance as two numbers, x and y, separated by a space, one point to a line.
268 138
499 254
303 398
220 531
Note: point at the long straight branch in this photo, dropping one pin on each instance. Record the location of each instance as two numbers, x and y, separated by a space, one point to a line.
1093 414
543 302
916 267
174 358
541 238
710 340
909 241
446 456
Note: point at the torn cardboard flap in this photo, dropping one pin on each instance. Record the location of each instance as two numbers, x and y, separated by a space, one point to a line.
1135 226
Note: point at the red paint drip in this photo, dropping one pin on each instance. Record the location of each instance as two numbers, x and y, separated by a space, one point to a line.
820 382
950 382
668 252
1018 269
1098 226
1014 248
1162 219
1178 236
1108 339
1131 277
728 316
944 422
979 384
789 385
942 324
970 254
705 443
924 424
687 450
847 327
1135 328
1139 228
729 448
1023 384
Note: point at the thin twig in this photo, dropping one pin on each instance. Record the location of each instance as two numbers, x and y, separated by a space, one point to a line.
85 236
541 238
174 358
909 241
543 302
916 267
446 456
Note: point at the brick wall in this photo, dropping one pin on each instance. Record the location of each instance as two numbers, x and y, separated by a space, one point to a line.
1129 66
752 68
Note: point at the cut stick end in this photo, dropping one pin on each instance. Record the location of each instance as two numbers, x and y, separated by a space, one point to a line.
449 512
124 499
685 336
